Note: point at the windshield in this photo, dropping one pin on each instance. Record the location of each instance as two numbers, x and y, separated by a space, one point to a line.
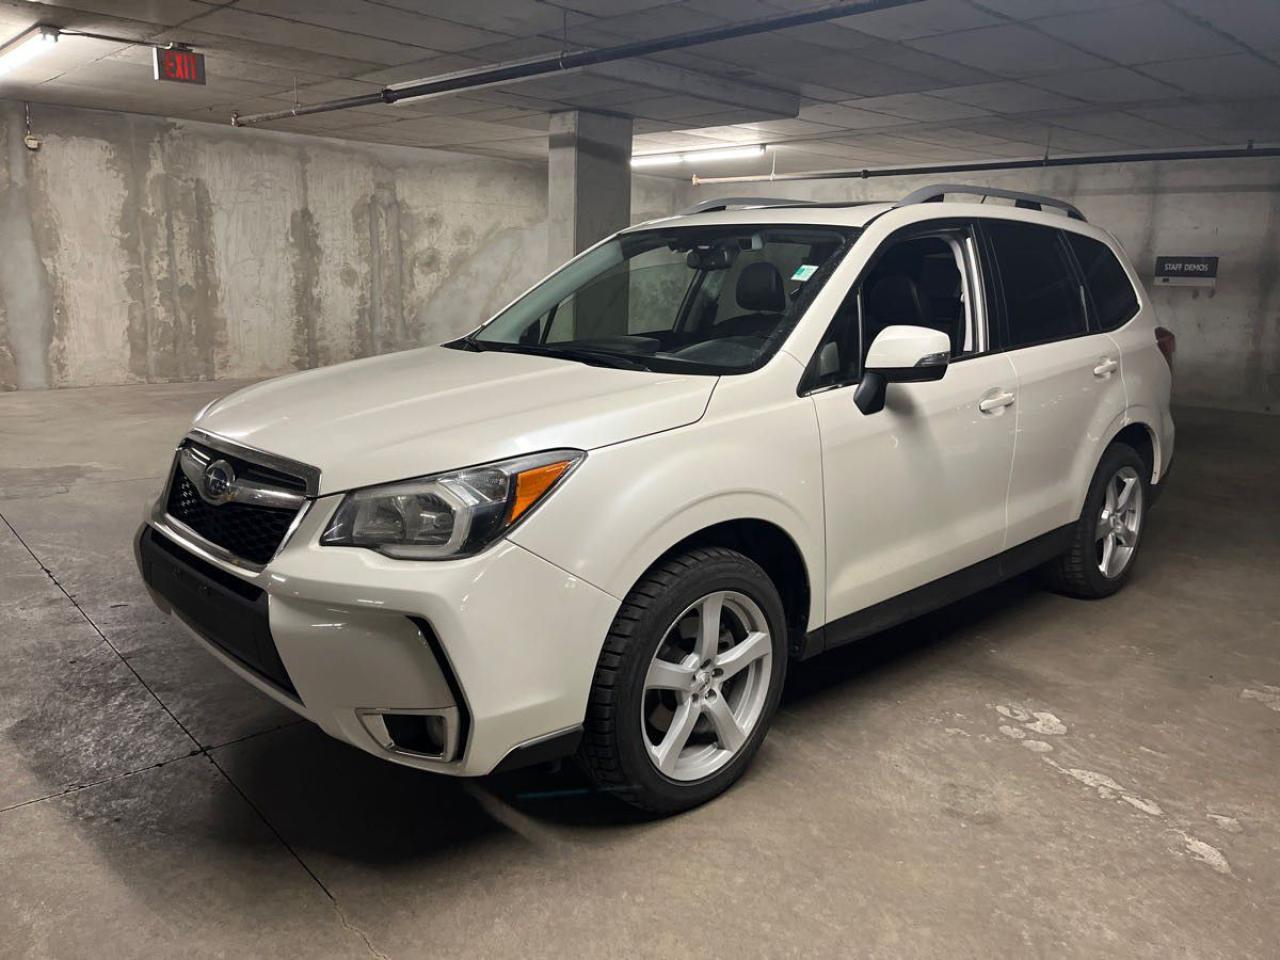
694 299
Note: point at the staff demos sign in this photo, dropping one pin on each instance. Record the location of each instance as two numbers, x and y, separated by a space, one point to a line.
1186 271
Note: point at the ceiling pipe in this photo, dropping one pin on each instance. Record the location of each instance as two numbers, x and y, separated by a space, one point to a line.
1076 160
490 76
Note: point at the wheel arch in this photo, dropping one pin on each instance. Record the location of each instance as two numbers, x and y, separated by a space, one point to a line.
777 553
1136 429
1129 427
1142 439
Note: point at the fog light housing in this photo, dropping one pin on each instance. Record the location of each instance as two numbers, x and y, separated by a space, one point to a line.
431 734
416 733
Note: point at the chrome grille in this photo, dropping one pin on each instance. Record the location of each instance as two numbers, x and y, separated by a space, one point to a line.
250 531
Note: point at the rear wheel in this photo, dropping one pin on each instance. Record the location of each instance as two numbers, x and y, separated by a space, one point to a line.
1106 538
688 681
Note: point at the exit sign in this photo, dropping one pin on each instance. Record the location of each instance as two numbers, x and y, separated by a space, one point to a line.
178 66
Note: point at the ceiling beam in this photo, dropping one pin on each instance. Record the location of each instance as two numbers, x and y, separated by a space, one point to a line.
660 76
506 73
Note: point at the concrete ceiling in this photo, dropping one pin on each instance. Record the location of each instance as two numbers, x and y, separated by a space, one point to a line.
937 80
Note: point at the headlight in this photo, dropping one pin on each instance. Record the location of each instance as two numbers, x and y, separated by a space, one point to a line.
448 515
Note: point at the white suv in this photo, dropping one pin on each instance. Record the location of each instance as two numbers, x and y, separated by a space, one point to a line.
606 520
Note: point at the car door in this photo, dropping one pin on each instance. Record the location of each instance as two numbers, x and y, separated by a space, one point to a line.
1069 385
917 490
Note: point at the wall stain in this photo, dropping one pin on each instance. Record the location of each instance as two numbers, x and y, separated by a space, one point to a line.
305 255
191 333
206 323
185 328
467 295
138 234
383 329
26 289
163 325
181 192
363 231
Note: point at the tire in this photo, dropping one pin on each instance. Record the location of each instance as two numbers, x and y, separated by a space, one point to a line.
1079 571
662 619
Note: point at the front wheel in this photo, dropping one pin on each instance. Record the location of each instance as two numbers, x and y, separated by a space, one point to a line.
688 681
1106 538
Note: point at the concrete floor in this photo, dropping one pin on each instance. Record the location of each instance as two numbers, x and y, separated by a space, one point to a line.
1017 775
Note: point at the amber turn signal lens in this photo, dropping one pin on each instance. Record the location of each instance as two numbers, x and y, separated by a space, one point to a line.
532 484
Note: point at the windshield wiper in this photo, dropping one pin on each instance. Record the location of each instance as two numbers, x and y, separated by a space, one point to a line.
595 358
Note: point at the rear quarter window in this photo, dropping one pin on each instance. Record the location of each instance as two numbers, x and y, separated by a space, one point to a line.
1114 299
1043 299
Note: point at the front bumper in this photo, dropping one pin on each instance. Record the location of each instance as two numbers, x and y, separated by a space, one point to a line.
501 647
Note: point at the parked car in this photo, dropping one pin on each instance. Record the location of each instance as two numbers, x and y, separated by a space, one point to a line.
605 521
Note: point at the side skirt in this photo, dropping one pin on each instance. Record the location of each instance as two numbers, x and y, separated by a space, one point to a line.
939 593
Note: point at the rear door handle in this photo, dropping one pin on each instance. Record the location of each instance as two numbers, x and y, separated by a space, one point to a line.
1106 366
994 402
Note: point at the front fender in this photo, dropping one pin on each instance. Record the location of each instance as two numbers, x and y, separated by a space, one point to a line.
628 504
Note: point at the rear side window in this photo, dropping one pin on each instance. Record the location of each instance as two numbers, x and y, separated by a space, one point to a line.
1114 301
1043 300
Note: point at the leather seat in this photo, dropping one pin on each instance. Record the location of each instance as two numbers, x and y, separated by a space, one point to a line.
896 299
940 281
761 291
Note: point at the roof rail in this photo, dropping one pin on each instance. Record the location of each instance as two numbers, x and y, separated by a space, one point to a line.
1028 201
724 203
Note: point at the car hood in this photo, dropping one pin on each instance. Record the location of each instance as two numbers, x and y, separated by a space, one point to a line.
433 409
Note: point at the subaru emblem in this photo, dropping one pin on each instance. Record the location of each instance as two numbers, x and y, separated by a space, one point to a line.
218 482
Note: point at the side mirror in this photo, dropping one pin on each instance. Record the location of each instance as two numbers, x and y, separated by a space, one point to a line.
901 354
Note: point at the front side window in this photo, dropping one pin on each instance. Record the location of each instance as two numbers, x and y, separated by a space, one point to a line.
1043 300
694 299
1114 300
923 280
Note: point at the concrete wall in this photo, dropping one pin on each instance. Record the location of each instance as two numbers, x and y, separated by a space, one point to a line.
137 249
1229 337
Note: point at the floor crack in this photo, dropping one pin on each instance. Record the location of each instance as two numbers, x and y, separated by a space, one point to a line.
342 916
98 630
199 749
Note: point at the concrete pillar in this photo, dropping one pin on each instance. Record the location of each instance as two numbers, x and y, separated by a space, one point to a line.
588 181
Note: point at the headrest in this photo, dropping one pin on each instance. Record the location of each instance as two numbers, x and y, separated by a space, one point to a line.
897 299
939 277
760 288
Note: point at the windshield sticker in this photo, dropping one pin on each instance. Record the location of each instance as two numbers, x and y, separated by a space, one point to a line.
805 271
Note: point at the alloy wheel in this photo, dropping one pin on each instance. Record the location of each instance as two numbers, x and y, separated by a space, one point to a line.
1119 523
706 687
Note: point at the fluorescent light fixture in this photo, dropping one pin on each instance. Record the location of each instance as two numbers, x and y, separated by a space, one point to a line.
26 47
692 156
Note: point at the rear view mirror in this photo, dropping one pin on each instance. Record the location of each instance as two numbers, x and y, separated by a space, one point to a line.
711 258
901 354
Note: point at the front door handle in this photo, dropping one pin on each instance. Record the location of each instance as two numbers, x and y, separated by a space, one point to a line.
1106 366
995 402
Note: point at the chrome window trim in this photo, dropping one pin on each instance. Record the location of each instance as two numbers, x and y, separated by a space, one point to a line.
305 472
982 328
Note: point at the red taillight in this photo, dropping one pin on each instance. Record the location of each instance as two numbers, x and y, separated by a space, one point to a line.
1167 343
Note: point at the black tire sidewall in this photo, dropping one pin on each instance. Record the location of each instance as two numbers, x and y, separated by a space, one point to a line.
728 571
